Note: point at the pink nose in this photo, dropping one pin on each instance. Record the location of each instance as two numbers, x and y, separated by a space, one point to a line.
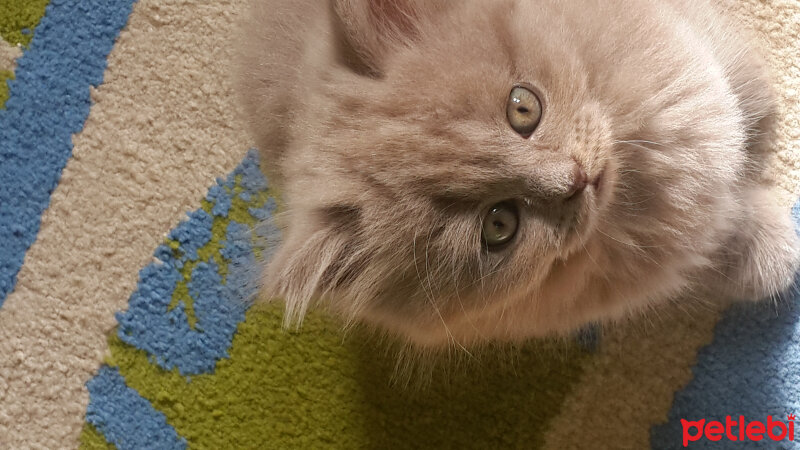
579 182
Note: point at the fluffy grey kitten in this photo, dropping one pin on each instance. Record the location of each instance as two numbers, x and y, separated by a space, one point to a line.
471 171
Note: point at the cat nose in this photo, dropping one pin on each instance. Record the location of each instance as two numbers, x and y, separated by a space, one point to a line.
579 182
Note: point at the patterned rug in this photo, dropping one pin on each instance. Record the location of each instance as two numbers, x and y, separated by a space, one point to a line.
130 204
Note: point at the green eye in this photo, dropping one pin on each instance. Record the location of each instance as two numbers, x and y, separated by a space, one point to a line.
500 224
524 111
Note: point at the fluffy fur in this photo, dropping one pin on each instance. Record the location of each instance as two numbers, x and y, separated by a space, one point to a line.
384 123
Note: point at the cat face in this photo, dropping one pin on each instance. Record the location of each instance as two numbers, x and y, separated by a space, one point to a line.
471 171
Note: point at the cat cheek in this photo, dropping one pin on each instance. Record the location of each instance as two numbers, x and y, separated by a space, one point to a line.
306 266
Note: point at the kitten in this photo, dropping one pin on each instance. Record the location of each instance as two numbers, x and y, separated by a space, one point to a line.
472 171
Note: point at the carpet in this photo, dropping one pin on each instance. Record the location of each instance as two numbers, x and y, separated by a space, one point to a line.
132 211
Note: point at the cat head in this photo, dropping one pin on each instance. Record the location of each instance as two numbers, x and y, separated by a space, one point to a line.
470 170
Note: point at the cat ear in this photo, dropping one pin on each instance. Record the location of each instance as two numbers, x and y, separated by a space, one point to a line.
372 28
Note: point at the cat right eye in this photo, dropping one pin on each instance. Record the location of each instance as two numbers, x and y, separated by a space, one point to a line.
524 111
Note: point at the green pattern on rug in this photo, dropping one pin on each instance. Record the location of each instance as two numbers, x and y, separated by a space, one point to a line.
317 388
5 75
18 18
91 439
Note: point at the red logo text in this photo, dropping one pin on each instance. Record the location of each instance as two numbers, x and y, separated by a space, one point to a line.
738 430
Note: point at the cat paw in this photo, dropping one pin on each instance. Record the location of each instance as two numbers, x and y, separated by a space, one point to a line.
761 260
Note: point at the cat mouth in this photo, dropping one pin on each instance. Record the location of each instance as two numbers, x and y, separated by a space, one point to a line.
578 224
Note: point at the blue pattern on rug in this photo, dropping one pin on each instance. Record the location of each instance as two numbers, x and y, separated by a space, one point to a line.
155 324
49 102
125 418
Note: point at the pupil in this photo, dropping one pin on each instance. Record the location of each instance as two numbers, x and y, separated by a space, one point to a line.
523 110
499 225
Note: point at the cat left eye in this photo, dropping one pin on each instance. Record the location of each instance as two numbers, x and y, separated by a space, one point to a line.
524 111
500 224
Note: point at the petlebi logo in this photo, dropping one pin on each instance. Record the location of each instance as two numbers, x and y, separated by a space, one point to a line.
738 430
